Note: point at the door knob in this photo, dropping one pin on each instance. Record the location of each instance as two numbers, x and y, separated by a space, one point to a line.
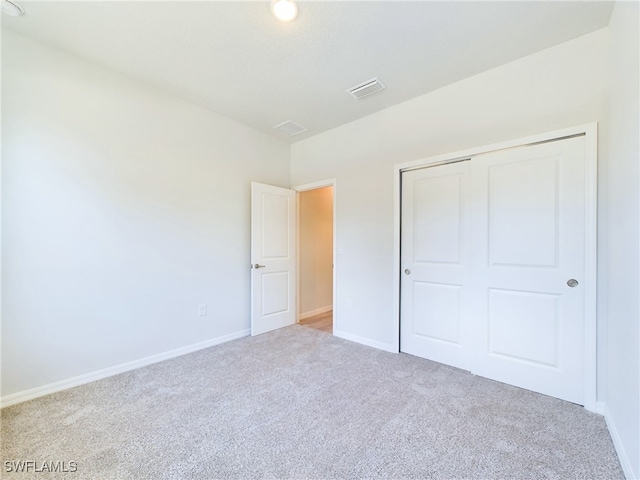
407 271
572 282
257 265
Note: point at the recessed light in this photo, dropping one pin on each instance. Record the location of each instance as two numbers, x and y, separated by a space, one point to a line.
11 8
285 10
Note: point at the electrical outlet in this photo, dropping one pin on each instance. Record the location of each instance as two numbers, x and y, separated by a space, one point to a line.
202 310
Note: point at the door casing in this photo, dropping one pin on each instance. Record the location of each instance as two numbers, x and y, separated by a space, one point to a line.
590 133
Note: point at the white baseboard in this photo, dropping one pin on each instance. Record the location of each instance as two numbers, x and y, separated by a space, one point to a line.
317 311
627 468
365 341
32 393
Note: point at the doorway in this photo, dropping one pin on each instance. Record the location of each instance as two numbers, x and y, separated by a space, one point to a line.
316 257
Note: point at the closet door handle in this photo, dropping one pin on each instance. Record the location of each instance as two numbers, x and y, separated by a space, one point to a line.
257 265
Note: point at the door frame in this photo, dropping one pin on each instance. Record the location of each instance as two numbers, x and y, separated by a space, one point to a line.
303 188
590 131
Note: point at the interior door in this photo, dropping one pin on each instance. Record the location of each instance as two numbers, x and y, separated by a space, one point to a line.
273 267
496 253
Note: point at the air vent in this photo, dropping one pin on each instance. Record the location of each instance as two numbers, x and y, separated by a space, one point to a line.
291 128
367 88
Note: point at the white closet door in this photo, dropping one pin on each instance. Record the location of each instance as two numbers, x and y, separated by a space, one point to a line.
529 243
436 266
496 250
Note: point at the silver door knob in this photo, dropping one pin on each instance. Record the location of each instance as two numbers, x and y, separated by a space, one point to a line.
572 282
257 265
407 271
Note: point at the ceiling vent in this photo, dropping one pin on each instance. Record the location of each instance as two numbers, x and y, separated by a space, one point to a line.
367 88
291 128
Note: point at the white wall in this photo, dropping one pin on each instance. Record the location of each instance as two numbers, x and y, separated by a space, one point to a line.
560 87
316 250
123 209
623 379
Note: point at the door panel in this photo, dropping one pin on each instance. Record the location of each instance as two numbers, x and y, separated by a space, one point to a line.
275 292
523 326
275 225
272 258
489 292
529 231
436 311
436 231
435 264
523 212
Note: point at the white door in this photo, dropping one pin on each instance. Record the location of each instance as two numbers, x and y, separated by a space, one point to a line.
529 234
273 261
520 313
436 264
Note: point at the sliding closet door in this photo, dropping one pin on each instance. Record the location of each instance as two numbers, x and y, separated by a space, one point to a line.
528 266
493 253
436 264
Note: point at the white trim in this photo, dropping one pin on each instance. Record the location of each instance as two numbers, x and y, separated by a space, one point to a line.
54 387
303 188
591 154
397 196
387 347
298 282
312 186
590 266
317 311
618 444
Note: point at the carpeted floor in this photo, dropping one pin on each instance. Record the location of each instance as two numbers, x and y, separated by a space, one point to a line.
299 403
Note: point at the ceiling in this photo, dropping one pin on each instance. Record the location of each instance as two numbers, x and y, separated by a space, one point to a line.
236 59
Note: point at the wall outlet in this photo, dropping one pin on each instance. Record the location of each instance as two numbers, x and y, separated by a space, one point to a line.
202 310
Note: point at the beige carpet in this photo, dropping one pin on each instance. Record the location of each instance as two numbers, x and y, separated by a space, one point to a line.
299 403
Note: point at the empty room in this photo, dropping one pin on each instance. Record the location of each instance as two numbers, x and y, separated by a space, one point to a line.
320 239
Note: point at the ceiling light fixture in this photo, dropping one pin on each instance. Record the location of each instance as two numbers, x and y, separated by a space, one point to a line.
11 8
285 10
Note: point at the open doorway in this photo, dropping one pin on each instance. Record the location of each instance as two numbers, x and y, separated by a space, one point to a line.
316 257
